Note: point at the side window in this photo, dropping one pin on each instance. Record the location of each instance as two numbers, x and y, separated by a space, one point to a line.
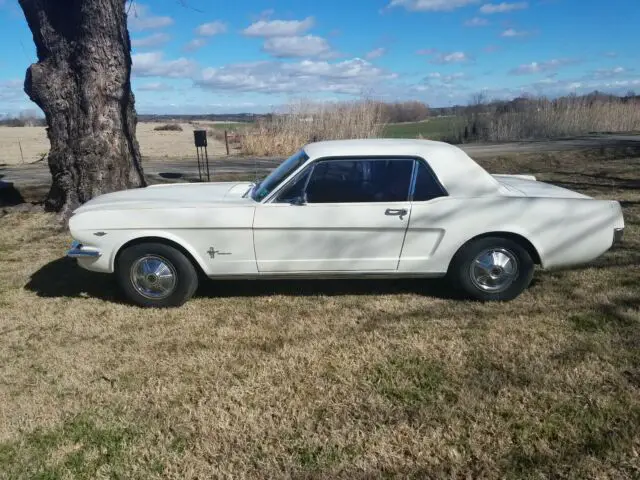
294 190
362 180
427 185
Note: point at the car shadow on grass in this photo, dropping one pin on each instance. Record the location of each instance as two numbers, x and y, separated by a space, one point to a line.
64 278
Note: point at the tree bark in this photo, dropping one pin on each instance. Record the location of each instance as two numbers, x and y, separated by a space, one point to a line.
82 83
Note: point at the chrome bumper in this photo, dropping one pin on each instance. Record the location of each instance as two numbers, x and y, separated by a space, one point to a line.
80 251
618 233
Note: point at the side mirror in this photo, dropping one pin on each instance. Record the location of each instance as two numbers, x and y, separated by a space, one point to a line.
300 201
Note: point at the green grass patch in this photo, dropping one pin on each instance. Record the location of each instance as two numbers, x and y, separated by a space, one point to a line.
76 449
569 435
438 128
409 381
598 321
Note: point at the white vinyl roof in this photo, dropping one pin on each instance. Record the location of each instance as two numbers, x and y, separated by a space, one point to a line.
459 174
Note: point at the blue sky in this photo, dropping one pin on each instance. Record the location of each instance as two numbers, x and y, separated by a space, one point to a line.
214 56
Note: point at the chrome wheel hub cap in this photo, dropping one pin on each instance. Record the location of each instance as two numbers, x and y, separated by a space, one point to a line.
494 270
153 277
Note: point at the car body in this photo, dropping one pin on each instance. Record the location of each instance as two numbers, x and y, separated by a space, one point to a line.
352 208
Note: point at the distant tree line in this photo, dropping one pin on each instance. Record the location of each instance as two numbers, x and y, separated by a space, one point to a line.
479 103
24 119
400 112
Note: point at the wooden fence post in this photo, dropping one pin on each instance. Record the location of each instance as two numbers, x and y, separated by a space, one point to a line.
226 141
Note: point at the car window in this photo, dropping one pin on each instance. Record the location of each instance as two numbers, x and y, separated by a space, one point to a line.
427 185
361 180
294 190
269 184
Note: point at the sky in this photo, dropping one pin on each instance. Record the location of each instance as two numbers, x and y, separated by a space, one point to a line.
214 56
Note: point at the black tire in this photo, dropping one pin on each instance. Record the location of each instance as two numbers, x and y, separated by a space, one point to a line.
498 283
176 279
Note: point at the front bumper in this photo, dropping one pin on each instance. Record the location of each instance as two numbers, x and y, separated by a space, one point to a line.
80 251
618 233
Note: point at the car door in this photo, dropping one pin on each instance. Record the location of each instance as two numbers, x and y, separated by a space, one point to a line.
338 215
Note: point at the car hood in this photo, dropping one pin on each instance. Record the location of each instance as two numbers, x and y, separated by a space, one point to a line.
172 196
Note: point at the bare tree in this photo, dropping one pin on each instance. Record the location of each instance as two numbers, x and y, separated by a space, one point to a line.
82 83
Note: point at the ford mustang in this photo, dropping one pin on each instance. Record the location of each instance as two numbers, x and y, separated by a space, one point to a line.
349 209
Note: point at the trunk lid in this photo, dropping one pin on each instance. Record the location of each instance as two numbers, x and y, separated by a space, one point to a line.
528 186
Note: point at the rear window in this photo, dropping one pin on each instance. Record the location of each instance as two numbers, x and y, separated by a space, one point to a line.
427 185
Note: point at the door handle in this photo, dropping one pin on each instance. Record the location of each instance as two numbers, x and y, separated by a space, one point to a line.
400 212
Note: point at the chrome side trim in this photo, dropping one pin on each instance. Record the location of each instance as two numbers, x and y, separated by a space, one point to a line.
80 251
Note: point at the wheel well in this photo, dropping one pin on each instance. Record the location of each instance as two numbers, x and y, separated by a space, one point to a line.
519 239
164 241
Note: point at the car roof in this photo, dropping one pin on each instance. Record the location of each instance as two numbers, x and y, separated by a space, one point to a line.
458 173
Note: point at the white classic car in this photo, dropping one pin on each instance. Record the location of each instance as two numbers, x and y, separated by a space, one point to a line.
354 208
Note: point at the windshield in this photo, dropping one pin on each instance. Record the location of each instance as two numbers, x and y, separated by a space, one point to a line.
286 168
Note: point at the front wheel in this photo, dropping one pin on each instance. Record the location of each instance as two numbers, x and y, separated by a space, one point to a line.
156 275
492 269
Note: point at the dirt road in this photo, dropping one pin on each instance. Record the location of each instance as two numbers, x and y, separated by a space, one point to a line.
187 168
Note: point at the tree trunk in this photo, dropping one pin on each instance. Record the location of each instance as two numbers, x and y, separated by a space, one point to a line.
82 82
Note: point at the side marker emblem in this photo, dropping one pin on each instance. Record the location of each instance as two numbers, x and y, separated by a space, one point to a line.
213 252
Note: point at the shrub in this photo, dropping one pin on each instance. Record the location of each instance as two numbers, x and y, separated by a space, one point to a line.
169 127
401 112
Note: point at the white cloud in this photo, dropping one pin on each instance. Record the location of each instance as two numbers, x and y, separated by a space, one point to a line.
445 79
542 67
153 64
431 5
151 41
453 57
289 47
609 73
279 28
503 7
211 29
377 53
351 77
154 87
140 18
513 33
476 22
11 92
195 44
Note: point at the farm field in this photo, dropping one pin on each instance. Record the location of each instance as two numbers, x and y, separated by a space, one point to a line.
154 144
360 379
438 128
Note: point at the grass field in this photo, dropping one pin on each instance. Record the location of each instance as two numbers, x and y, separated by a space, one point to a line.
438 128
325 379
34 143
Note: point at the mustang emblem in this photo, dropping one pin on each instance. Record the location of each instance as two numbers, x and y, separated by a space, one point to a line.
213 252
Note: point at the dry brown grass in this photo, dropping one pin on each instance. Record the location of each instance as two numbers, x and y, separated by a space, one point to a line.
543 119
324 379
303 122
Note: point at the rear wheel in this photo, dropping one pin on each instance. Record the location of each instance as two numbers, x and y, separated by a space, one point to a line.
156 275
492 269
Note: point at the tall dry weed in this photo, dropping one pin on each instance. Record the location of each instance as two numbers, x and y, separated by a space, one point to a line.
542 119
283 134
